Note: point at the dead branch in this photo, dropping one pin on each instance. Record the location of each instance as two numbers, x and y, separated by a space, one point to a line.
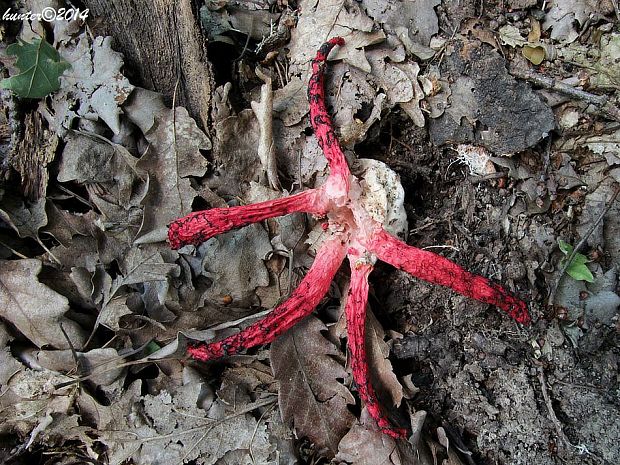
602 102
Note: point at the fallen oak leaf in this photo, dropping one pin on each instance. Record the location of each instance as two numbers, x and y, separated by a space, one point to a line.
35 309
310 396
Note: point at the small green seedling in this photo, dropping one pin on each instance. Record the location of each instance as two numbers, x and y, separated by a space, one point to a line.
577 268
39 65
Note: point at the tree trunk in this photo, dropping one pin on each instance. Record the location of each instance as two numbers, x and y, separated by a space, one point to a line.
162 43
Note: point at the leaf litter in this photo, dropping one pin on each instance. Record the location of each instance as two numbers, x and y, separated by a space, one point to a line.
103 262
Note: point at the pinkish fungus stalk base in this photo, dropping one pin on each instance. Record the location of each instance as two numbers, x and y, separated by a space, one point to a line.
351 231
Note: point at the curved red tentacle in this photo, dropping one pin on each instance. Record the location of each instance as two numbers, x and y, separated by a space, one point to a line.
339 172
200 226
299 305
439 270
355 311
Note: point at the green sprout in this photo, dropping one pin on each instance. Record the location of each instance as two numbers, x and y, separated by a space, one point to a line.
577 268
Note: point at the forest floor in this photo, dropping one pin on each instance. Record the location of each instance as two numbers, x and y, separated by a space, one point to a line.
501 120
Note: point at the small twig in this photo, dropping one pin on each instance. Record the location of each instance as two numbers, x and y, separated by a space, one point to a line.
552 416
15 252
581 243
86 202
106 369
266 146
78 363
581 448
486 177
547 82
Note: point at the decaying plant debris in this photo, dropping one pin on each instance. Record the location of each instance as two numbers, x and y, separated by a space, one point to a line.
500 119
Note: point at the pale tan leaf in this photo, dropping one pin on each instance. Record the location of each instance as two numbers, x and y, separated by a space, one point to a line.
35 309
364 444
322 20
172 429
311 397
93 89
142 106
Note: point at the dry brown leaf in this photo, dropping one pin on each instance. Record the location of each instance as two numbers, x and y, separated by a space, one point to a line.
291 101
235 153
384 380
109 173
103 366
172 157
63 225
29 399
234 263
35 309
311 397
418 17
25 219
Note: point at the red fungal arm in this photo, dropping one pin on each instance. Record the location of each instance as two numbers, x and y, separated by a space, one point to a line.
197 227
299 305
355 311
321 121
439 270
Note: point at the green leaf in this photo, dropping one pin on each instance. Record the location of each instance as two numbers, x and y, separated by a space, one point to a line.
577 268
39 64
579 272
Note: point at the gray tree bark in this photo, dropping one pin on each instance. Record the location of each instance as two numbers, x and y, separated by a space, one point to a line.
162 42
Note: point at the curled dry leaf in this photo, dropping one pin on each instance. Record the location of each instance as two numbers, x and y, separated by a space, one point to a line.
563 16
365 445
266 145
379 365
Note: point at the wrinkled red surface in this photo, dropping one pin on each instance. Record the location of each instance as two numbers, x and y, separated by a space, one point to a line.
349 230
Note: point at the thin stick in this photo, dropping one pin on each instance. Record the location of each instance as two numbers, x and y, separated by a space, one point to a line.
581 243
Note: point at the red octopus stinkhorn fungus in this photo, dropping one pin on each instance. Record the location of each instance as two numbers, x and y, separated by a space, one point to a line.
352 232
